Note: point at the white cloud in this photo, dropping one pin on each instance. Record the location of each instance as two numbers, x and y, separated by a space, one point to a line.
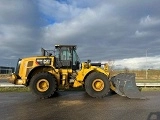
20 32
57 11
99 27
102 30
141 34
89 23
139 63
149 21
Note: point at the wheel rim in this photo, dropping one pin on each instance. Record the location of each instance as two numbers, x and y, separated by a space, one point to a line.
42 85
98 84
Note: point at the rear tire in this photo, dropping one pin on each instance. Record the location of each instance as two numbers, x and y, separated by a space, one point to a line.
97 85
43 85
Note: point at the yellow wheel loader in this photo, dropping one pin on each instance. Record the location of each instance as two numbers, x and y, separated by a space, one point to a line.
44 74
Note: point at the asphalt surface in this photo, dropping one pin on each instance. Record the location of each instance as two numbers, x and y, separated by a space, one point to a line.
77 105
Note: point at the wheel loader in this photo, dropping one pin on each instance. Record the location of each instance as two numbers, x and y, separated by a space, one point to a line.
61 67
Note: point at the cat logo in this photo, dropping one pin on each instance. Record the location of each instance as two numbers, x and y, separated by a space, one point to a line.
46 61
43 61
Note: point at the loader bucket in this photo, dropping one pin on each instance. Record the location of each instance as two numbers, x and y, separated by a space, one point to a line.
125 85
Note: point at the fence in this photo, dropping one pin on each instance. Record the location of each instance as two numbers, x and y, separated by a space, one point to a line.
141 74
6 70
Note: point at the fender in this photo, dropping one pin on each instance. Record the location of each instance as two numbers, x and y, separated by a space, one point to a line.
37 69
83 73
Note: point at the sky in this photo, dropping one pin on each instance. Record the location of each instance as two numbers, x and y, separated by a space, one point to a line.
125 33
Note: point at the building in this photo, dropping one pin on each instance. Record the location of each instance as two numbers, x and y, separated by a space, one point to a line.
6 70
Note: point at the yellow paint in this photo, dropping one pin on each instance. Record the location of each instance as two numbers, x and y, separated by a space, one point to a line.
98 85
42 85
112 87
85 71
62 75
77 84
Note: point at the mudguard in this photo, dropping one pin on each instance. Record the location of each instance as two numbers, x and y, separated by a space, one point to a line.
125 85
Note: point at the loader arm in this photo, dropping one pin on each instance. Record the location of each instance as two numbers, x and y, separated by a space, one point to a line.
87 69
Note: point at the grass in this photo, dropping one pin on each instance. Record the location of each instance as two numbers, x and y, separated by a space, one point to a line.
150 89
27 89
14 89
5 76
147 81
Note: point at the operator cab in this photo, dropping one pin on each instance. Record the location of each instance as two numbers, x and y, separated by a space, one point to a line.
66 57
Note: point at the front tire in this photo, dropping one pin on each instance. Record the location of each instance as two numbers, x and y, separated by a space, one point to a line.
97 85
43 85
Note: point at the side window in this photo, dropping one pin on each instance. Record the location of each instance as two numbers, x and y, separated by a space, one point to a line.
74 58
69 56
57 54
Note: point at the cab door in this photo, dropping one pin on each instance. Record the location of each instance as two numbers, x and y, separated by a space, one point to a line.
64 58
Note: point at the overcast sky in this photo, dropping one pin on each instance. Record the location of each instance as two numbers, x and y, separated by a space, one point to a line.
122 31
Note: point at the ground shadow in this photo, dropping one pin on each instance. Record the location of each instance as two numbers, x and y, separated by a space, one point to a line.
56 94
154 116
